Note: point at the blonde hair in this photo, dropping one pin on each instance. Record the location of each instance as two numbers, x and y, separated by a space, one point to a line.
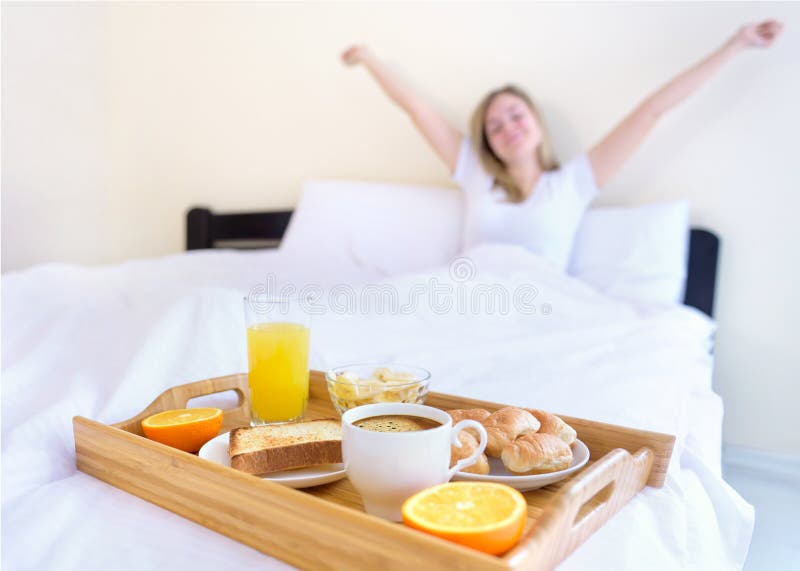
490 161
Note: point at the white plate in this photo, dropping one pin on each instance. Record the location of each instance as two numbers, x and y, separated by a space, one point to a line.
498 473
216 450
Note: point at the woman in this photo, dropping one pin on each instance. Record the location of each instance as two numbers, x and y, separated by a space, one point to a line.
516 190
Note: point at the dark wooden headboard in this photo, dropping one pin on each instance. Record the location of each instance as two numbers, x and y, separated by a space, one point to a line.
701 270
204 229
246 230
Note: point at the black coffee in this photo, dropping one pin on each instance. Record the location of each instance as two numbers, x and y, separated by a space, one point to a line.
396 423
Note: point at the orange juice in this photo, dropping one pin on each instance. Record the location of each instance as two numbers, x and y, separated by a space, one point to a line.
278 379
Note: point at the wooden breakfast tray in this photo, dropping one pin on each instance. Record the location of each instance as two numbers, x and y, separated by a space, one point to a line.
325 527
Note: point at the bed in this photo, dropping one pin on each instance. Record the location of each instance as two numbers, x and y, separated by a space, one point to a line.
101 342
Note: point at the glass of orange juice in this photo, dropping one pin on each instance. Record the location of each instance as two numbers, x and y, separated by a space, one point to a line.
278 338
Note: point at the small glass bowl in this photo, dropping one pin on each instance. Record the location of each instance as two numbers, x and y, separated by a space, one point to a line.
349 393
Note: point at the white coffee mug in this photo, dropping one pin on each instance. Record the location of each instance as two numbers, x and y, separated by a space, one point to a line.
387 468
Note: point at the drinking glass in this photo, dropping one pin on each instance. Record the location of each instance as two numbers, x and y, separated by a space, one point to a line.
278 337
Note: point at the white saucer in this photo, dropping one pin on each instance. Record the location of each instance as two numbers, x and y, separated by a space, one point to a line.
216 450
498 473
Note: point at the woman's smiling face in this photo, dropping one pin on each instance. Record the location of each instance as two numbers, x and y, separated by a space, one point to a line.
512 129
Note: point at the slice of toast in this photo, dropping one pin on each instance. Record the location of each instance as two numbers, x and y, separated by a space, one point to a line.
276 447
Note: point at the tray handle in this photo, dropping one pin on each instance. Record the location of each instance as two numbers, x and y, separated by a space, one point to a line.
581 507
179 397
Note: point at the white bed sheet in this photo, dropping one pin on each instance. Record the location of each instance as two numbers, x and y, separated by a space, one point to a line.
102 342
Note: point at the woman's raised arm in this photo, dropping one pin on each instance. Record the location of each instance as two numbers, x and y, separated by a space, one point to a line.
608 156
444 139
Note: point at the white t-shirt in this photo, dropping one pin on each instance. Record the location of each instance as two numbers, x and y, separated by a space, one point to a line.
545 223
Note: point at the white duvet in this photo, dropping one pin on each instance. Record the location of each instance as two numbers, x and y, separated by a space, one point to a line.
103 342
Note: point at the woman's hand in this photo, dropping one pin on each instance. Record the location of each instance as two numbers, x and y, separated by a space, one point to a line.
608 156
444 139
761 35
355 55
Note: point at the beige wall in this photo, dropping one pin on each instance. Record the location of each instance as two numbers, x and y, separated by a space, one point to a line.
118 117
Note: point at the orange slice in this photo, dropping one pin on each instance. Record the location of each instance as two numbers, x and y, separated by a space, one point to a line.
184 428
485 516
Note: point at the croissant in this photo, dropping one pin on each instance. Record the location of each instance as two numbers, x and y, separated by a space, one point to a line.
504 425
476 414
536 454
551 424
468 446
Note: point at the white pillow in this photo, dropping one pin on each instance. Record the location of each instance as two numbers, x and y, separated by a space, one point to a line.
635 253
392 228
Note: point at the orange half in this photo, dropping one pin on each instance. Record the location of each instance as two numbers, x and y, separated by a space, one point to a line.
186 429
485 516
